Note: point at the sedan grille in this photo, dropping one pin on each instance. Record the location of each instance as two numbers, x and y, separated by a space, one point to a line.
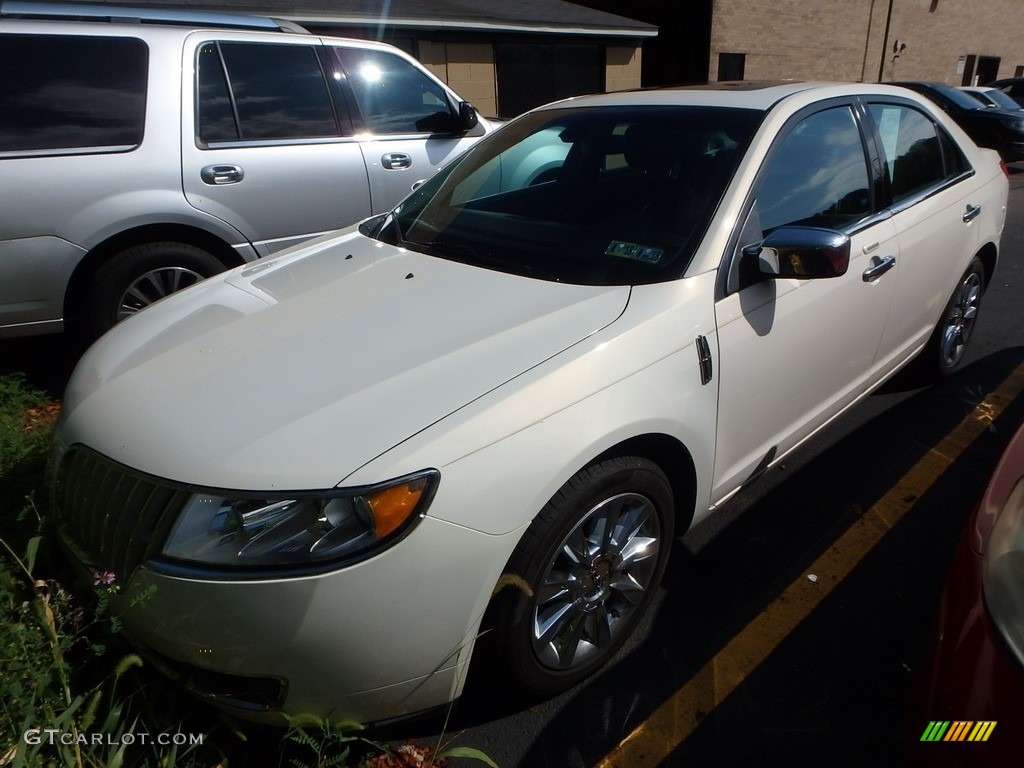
111 517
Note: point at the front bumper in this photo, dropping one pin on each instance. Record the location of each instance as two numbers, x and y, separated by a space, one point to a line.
384 638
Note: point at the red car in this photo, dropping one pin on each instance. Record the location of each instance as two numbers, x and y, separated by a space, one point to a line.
971 694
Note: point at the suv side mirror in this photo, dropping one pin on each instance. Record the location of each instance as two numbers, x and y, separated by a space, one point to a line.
801 253
468 117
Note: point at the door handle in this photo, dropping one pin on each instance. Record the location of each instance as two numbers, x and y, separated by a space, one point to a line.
221 174
396 161
877 270
971 213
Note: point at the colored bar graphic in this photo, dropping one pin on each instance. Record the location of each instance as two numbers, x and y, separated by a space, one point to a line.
982 730
935 731
958 730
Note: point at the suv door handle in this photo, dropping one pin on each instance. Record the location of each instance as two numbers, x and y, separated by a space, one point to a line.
971 213
396 161
877 270
221 174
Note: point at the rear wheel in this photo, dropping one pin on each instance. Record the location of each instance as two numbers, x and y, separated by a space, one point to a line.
138 276
593 558
949 341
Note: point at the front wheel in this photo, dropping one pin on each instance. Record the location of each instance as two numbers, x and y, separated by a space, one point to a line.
949 340
593 558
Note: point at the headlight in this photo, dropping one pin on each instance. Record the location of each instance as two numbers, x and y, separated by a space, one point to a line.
1004 572
320 529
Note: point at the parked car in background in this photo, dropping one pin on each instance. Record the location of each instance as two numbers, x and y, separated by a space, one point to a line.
992 97
1012 87
142 150
997 129
575 341
974 669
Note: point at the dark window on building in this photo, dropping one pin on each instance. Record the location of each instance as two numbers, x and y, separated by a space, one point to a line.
817 176
63 92
393 95
531 74
279 92
731 66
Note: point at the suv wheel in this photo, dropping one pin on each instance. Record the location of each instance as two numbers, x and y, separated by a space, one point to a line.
138 276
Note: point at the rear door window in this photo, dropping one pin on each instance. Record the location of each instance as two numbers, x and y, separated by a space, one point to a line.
259 92
918 154
64 92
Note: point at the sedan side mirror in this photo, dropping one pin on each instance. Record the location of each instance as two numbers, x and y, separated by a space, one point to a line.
801 253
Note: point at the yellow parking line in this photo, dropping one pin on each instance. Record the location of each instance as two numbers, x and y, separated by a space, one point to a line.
654 739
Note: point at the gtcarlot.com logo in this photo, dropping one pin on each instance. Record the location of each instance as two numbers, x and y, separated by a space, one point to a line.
958 730
36 736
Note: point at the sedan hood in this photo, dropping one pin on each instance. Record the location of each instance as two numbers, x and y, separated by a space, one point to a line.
291 373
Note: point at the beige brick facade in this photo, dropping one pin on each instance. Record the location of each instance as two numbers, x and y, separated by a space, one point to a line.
469 69
843 39
622 68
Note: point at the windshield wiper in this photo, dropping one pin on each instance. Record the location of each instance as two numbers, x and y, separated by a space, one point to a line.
459 250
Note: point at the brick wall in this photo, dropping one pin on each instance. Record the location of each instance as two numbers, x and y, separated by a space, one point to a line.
469 69
622 68
843 39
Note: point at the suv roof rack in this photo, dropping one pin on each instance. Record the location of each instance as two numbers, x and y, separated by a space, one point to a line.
126 13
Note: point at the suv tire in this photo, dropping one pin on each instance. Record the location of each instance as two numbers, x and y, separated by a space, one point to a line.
138 276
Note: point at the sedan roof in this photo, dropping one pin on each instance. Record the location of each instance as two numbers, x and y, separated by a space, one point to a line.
759 95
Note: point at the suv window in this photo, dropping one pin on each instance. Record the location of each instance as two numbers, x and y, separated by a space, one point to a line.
68 92
817 176
256 91
917 156
393 96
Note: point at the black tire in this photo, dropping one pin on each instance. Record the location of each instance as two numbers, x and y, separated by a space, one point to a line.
138 276
948 343
585 605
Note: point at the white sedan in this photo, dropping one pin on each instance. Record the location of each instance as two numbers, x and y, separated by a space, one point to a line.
554 357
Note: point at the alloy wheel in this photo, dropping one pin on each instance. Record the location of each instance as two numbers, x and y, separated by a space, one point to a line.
959 321
595 581
153 286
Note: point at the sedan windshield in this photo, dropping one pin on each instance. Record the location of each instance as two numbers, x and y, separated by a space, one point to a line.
596 196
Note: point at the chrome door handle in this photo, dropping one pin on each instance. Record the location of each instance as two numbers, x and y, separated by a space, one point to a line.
971 213
221 174
396 161
877 270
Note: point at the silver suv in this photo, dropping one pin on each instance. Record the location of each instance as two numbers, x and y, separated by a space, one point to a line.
142 153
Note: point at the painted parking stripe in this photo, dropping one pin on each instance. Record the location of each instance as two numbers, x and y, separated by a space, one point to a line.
671 723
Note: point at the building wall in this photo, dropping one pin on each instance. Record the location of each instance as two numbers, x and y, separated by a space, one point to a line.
622 68
470 70
845 39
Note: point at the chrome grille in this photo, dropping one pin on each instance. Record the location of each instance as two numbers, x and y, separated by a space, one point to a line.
113 518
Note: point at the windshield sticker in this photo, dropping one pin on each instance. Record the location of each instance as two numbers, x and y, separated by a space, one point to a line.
635 252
